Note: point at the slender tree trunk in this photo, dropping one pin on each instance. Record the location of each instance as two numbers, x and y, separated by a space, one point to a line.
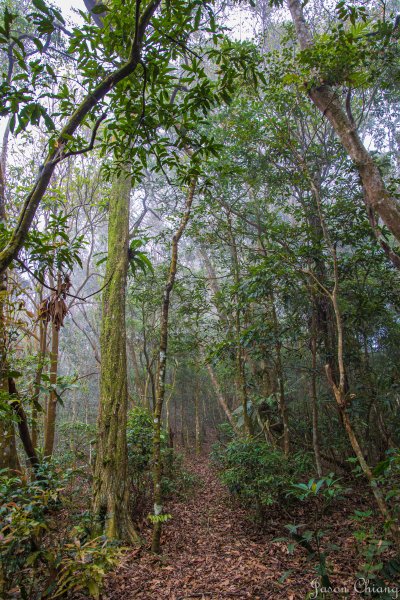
168 402
161 371
197 418
138 378
23 427
343 400
240 363
313 390
51 414
281 385
221 400
378 198
182 422
38 378
111 483
147 401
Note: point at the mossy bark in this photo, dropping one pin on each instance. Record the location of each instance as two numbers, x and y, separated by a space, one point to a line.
111 488
38 379
52 402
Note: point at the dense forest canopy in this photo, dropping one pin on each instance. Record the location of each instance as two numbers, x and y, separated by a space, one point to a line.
199 297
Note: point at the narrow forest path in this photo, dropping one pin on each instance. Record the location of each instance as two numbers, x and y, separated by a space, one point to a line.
212 550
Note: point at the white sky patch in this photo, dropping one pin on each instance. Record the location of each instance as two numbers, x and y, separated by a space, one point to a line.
67 7
238 19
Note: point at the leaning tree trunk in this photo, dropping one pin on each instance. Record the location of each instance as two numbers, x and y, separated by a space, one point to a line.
220 397
161 371
110 487
378 198
343 398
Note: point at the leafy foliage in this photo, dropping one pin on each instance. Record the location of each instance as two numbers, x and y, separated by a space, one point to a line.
259 475
29 564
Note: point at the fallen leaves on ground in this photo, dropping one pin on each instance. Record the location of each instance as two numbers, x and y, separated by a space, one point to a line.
212 550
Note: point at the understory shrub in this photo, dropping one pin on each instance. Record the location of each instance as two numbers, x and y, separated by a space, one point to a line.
258 474
175 479
36 562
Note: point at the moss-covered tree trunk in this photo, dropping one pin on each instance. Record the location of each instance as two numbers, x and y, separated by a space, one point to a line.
38 379
111 489
52 401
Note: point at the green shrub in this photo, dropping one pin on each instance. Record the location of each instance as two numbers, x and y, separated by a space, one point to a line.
36 562
258 474
175 480
139 438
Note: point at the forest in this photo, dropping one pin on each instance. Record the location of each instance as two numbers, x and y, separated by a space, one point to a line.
199 299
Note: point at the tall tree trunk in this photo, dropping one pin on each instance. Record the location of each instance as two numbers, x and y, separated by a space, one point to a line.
38 378
281 384
313 390
111 485
161 371
197 418
240 363
138 378
378 198
221 400
52 401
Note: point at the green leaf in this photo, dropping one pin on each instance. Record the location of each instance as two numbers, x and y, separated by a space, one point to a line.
99 9
41 5
93 588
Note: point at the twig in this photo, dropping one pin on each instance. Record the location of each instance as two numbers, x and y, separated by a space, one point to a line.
83 150
52 289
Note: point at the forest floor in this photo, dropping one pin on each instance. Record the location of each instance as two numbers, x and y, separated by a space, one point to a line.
213 550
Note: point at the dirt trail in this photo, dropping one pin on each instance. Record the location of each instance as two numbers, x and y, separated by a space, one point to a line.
211 550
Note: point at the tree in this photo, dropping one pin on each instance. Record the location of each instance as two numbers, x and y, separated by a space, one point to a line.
378 197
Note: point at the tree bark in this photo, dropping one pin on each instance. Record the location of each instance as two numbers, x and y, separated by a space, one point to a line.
23 428
38 378
51 414
111 485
